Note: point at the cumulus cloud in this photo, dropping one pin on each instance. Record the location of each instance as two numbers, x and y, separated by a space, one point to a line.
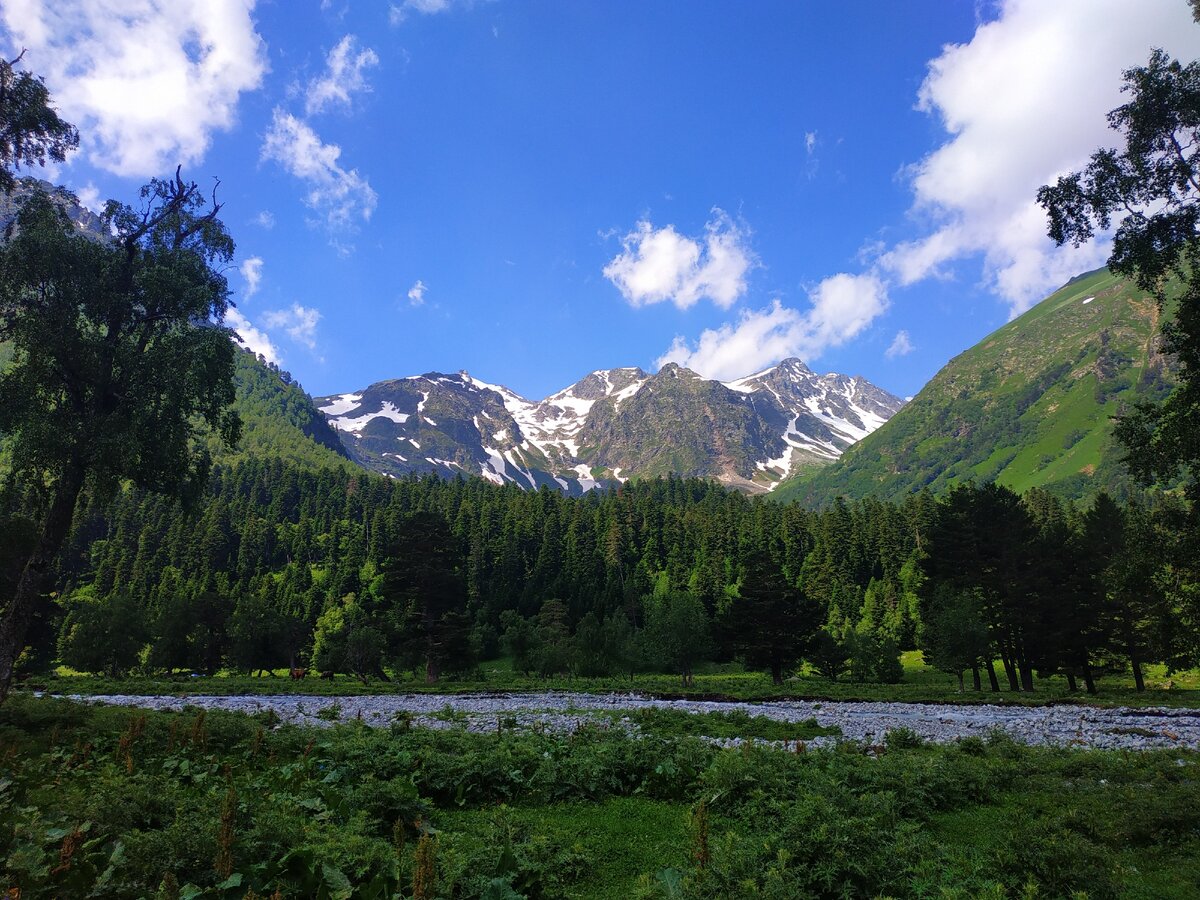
252 273
416 293
341 196
901 345
842 307
344 76
662 264
254 338
300 323
265 219
398 12
1023 102
146 82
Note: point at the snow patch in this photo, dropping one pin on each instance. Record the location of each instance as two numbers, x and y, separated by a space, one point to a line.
586 481
342 405
387 411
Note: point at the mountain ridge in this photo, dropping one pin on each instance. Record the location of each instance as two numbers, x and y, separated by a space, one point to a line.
610 425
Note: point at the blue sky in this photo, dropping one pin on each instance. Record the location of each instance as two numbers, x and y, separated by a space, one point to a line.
533 190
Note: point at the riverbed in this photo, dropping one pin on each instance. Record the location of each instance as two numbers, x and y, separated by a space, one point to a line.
867 722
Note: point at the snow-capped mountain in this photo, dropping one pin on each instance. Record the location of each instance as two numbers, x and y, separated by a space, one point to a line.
611 425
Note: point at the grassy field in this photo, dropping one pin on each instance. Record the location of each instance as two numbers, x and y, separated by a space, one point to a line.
118 803
921 684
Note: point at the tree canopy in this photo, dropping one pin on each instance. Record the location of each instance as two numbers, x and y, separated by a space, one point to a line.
30 129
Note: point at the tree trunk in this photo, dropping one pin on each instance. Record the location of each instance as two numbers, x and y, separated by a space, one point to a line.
777 673
961 688
975 682
993 681
1026 676
32 585
1071 685
1138 680
1088 680
431 671
1010 672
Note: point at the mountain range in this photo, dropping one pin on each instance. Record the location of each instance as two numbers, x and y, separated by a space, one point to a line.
613 424
1031 405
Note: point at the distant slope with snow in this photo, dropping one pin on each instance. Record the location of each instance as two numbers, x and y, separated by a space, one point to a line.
611 425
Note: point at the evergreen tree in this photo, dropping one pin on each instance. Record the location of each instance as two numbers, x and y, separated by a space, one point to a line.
770 623
426 598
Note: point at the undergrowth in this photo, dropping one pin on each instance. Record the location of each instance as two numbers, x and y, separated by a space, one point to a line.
112 802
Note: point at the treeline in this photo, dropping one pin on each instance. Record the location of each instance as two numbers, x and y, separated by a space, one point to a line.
341 571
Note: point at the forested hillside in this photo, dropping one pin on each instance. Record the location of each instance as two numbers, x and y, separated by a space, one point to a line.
1031 405
279 420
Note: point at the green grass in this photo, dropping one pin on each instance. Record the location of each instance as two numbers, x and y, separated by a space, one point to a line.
921 684
1005 408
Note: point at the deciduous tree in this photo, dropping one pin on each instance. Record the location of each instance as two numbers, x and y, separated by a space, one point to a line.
119 360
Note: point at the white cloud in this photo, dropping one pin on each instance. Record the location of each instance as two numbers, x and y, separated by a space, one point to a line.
254 338
416 293
341 196
345 75
662 264
300 323
810 142
252 273
264 219
901 345
89 198
1023 102
147 82
398 12
842 307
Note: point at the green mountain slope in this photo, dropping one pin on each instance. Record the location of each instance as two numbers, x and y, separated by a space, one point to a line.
1029 406
279 420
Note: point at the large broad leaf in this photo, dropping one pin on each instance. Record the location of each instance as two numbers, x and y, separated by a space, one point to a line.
336 883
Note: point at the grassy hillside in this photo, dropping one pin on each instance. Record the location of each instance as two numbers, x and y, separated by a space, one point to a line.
1031 405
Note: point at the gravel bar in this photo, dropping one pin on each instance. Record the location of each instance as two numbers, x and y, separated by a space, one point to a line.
1060 725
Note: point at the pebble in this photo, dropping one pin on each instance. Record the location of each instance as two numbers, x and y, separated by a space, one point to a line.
869 722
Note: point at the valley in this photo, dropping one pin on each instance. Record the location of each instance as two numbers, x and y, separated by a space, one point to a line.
672 631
